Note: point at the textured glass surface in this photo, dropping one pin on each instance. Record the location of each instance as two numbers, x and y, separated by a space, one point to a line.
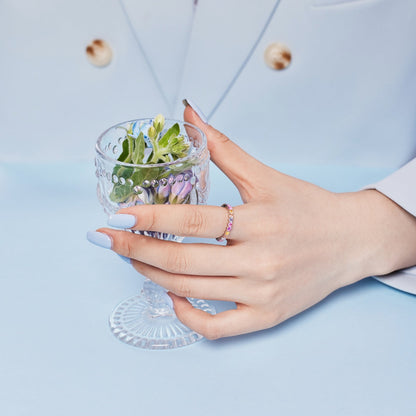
147 320
136 323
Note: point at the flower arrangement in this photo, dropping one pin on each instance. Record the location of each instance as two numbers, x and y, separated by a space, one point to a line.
155 180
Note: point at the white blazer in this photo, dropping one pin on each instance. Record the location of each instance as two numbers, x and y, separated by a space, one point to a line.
347 96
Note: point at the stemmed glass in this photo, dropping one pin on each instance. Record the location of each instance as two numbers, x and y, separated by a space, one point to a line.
147 320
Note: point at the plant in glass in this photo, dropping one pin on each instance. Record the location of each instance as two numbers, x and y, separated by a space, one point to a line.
152 161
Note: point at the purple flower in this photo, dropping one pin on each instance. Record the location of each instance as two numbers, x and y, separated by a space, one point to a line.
187 188
181 189
162 193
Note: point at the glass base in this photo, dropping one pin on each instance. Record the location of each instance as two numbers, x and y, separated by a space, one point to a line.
137 323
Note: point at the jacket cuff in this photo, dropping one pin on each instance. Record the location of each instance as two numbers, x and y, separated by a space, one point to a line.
400 187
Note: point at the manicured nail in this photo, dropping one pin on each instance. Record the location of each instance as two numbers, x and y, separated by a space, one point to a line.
197 110
99 239
122 221
126 259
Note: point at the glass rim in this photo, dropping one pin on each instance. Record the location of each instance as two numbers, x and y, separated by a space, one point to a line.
151 165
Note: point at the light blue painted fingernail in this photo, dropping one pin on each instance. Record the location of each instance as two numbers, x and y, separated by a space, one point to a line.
99 239
126 259
122 221
197 110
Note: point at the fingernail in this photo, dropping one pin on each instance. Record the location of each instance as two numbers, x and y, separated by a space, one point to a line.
122 221
187 101
126 259
99 239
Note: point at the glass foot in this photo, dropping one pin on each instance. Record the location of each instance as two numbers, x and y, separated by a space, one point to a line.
137 323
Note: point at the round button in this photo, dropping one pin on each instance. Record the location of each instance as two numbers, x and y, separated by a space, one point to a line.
99 52
277 56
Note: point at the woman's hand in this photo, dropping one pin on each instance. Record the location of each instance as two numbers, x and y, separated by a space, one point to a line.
291 245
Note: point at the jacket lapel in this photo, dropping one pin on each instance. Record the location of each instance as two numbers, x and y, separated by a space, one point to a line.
224 35
196 49
162 30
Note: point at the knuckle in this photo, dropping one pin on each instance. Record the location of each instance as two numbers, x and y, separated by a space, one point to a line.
176 262
220 140
267 268
193 223
268 272
223 139
149 221
210 330
182 288
126 245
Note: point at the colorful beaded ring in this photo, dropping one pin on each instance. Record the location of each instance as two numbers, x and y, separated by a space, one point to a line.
229 222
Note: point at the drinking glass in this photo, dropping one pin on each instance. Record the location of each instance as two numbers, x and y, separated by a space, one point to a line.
147 319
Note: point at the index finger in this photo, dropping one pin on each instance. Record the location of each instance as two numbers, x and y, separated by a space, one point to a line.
181 219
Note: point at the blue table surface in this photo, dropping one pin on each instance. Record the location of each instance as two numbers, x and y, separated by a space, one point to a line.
352 354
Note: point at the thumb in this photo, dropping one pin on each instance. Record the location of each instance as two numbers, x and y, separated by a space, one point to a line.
240 167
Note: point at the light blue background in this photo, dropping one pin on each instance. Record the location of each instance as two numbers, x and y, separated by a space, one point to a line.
352 354
348 98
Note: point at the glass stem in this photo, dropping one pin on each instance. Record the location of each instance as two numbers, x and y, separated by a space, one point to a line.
160 304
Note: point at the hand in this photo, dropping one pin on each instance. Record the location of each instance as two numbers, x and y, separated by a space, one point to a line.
292 244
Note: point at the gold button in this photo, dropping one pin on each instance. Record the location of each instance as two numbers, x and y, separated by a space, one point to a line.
99 52
277 56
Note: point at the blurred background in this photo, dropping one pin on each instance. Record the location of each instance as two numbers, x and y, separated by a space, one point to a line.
299 81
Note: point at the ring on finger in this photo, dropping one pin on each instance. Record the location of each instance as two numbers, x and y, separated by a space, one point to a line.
230 221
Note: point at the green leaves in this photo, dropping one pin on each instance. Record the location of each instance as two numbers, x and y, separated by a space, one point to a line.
170 147
133 149
125 153
167 148
138 152
172 132
121 193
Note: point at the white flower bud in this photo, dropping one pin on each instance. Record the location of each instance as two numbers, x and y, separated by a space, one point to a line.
159 122
151 132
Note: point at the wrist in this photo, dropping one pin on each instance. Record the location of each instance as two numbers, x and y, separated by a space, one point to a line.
384 232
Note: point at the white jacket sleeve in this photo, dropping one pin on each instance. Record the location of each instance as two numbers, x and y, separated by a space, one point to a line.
400 187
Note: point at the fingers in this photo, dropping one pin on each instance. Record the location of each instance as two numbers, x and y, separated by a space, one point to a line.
225 324
192 259
229 157
181 219
190 286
